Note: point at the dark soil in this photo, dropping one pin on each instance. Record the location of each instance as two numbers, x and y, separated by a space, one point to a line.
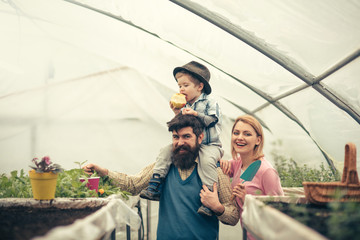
334 221
20 223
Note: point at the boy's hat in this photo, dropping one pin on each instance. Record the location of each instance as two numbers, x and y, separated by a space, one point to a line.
199 71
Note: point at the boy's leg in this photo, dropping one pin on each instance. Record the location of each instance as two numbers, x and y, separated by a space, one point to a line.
209 155
162 165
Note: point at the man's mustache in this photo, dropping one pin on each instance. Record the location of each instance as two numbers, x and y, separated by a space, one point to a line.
182 147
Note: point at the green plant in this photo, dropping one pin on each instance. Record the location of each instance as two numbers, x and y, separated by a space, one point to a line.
344 220
106 187
68 186
15 186
292 175
335 220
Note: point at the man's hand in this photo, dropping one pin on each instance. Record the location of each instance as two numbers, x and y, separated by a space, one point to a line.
211 199
90 168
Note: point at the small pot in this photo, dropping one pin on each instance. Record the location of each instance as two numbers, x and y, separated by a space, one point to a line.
43 185
93 183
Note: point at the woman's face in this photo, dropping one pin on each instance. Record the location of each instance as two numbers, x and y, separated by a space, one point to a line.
244 138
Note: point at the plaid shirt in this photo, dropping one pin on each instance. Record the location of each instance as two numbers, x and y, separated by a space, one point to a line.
206 106
135 183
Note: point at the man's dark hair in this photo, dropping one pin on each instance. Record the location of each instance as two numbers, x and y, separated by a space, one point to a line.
181 121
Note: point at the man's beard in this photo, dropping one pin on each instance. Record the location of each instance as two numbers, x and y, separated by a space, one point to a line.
186 159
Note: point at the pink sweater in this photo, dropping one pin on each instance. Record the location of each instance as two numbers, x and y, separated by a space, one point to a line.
265 182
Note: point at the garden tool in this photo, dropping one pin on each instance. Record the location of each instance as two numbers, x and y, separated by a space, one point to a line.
250 172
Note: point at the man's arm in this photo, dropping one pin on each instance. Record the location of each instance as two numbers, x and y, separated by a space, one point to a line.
133 183
230 215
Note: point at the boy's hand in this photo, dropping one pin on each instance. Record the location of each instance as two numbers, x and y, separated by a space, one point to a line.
189 111
175 110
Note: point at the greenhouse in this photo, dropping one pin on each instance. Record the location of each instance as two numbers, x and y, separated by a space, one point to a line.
89 81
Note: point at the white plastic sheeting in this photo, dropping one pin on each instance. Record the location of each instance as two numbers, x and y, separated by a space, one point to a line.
265 222
91 79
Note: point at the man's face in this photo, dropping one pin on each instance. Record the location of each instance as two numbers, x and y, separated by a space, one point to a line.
185 147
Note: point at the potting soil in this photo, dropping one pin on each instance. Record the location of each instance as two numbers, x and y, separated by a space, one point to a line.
23 223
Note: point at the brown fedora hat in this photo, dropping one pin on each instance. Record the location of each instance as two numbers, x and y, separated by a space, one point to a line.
197 70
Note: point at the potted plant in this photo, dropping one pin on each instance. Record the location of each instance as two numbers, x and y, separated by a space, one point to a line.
92 182
43 178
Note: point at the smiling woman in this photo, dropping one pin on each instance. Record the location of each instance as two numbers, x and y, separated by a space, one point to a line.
247 141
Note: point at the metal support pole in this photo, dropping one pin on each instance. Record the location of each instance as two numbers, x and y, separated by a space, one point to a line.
148 222
244 233
128 232
113 235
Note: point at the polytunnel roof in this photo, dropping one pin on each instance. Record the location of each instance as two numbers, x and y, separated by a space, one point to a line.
91 79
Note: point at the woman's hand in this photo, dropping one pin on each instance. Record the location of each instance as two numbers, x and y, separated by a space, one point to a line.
90 168
225 166
210 199
240 192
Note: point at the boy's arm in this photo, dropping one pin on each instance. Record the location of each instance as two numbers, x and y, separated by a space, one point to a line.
212 113
208 120
133 183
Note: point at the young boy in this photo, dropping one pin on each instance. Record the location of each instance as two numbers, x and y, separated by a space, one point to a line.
193 81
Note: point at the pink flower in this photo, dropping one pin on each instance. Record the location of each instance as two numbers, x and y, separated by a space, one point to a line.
47 160
45 165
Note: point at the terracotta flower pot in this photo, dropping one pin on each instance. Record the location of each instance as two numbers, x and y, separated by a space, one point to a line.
43 185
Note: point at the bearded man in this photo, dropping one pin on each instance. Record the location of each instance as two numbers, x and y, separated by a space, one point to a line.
180 198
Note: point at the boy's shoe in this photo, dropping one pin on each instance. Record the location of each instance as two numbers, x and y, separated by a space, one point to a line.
153 191
205 211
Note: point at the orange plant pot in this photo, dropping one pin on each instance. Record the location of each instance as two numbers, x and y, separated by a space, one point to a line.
43 185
